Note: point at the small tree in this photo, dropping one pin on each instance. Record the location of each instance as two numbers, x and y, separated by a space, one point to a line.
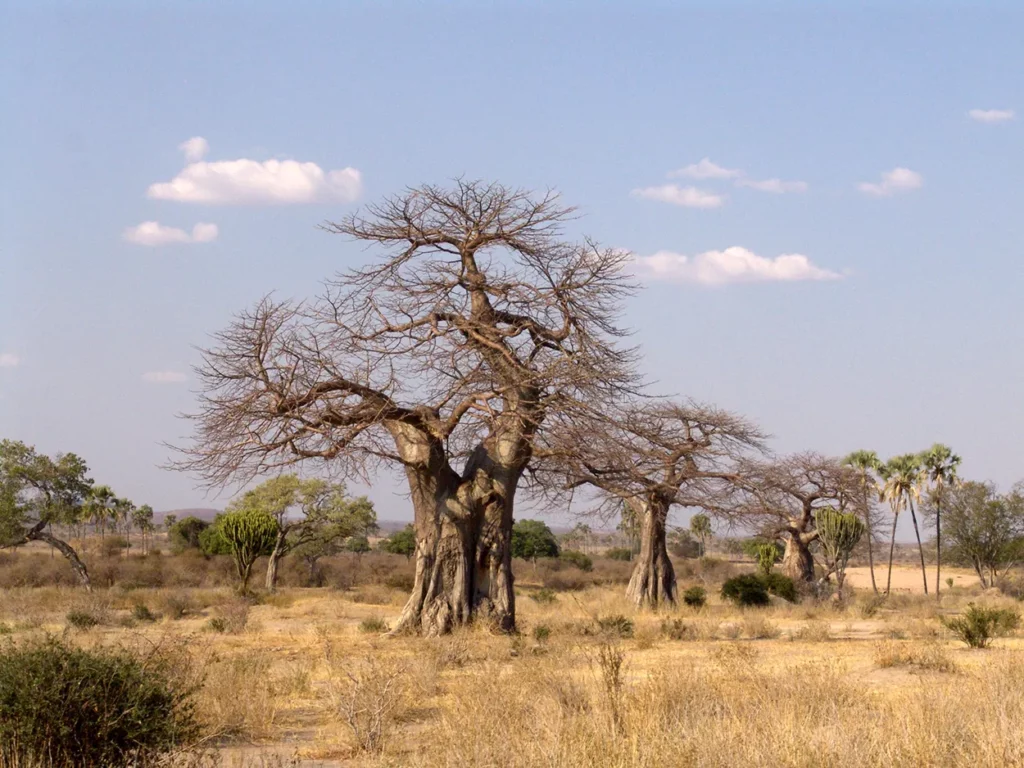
250 533
532 539
357 544
37 492
142 519
401 542
184 534
700 526
838 533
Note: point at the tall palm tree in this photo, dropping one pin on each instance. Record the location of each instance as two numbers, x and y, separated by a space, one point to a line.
867 463
940 465
904 476
700 526
98 507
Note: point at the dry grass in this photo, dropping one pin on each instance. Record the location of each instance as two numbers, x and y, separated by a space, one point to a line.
721 687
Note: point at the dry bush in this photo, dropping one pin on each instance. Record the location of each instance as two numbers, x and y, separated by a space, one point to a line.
368 695
237 695
231 617
929 656
813 632
757 627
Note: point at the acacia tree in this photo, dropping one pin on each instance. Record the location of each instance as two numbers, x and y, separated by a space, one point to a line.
37 491
476 328
780 499
648 457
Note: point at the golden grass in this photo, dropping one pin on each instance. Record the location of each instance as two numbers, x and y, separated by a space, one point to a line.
801 685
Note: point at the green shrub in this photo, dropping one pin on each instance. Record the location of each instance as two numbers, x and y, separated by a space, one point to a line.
65 706
618 625
82 620
141 612
619 553
544 596
373 624
695 597
977 626
746 590
577 560
541 633
779 585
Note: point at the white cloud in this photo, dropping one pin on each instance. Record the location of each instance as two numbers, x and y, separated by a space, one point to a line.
250 182
896 180
688 197
163 377
733 265
153 233
9 360
195 149
991 115
776 186
705 169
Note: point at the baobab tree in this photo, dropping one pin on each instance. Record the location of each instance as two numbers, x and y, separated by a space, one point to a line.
780 498
476 328
647 457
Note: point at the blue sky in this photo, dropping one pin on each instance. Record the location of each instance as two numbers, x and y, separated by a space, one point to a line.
916 338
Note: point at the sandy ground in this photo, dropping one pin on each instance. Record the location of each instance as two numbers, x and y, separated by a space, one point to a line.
908 579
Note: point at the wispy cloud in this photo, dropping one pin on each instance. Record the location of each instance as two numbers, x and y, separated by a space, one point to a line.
9 360
153 233
733 265
251 182
775 186
705 169
896 180
991 115
163 377
687 197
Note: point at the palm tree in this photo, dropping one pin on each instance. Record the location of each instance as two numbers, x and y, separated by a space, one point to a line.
904 475
866 463
700 526
98 507
940 465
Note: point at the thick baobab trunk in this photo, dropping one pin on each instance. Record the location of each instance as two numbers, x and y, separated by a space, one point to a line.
65 549
463 541
275 558
653 582
797 562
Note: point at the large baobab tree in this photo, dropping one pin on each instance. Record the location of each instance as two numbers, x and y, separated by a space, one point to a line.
477 327
780 498
648 457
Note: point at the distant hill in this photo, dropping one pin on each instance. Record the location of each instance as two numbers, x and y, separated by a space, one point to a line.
202 513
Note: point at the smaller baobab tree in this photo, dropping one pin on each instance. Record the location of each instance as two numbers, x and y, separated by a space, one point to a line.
646 458
903 476
838 534
781 498
940 465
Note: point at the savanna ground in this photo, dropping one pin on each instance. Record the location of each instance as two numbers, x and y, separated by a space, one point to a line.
588 681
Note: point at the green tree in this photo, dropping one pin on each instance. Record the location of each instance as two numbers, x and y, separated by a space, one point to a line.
903 478
98 507
169 521
211 539
36 492
940 465
306 510
142 519
700 526
532 539
984 530
357 544
401 542
251 533
838 533
184 533
866 464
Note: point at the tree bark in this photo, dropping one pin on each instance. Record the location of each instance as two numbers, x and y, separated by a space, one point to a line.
653 582
920 549
797 562
65 549
871 544
892 547
938 544
275 557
